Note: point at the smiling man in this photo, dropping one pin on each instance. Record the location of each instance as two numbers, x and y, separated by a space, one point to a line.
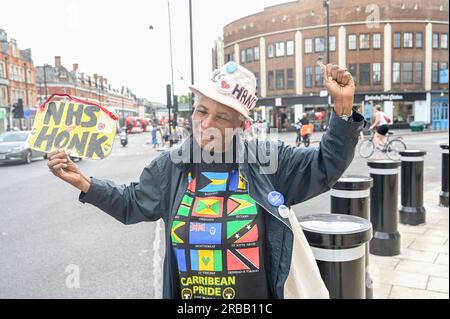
226 236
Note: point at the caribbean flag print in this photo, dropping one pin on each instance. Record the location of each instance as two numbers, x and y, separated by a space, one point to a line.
205 233
177 232
185 206
243 259
206 260
208 207
241 205
180 254
216 182
242 231
237 182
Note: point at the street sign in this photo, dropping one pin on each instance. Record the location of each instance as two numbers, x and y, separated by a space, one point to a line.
323 93
26 113
443 76
278 101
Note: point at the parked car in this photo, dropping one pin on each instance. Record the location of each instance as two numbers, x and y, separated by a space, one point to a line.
14 148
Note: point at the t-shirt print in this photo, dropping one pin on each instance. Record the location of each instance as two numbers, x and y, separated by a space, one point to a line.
218 237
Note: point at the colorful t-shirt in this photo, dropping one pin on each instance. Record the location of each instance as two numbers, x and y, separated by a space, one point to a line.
218 237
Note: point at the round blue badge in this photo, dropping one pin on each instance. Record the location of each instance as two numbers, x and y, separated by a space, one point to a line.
275 198
231 67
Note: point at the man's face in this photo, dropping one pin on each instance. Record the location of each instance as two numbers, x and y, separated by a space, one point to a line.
211 120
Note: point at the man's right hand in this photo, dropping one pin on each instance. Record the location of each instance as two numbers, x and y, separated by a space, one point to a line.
62 166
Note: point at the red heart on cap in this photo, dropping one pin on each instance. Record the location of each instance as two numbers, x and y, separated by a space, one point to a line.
224 85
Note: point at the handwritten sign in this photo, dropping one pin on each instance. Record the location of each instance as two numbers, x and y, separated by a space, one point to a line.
86 130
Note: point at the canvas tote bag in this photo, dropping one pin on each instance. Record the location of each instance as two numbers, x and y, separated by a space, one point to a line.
304 280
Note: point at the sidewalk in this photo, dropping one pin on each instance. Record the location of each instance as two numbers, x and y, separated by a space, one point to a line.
421 271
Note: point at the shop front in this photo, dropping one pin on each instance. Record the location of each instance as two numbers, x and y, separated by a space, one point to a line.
403 108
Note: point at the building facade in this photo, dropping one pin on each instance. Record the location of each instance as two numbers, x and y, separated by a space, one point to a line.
93 88
17 79
397 52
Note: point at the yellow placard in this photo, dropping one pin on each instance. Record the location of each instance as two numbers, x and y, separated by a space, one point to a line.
85 130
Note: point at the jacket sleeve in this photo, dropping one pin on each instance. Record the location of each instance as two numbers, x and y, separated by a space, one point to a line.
306 172
143 201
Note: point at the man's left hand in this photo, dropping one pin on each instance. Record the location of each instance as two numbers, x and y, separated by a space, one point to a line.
340 85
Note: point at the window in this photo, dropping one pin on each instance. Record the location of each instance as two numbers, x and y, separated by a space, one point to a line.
290 79
435 40
30 97
308 77
256 53
396 72
290 48
418 77
407 72
435 76
444 41
319 44
308 45
352 70
3 96
419 39
397 37
364 74
243 56
270 80
279 49
279 79
407 40
332 43
319 77
249 55
229 57
377 40
2 70
376 73
352 42
364 41
270 51
29 78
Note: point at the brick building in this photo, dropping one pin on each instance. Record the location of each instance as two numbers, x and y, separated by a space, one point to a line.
397 52
94 88
17 78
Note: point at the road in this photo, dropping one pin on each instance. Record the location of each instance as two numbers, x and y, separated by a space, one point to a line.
47 237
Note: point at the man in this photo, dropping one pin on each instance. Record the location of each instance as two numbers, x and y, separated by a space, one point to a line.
225 236
382 126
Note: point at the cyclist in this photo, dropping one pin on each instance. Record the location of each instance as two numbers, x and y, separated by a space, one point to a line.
381 125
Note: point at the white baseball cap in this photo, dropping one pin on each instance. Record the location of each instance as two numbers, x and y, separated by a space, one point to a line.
233 86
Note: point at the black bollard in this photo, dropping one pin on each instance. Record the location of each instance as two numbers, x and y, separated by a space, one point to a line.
412 211
338 244
350 196
384 207
443 196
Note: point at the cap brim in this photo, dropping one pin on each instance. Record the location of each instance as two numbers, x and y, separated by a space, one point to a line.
221 98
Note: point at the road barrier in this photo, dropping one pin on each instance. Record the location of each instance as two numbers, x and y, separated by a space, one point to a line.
384 207
350 196
443 196
412 211
338 243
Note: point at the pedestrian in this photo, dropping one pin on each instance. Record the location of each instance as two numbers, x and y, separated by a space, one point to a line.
154 135
226 236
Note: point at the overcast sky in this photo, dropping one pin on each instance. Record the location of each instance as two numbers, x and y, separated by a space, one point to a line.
111 37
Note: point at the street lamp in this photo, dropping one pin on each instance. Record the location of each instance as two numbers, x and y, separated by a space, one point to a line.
191 102
326 6
45 81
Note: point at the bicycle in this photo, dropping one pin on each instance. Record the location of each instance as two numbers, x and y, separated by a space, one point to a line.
304 133
392 147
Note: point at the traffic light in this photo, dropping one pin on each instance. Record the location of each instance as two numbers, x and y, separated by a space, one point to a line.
14 111
175 103
20 109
